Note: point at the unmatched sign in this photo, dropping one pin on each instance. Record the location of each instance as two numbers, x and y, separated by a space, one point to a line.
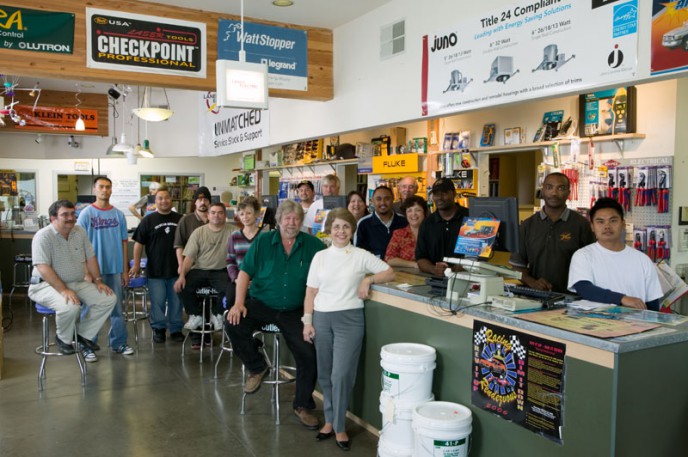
57 119
284 51
132 42
35 30
228 130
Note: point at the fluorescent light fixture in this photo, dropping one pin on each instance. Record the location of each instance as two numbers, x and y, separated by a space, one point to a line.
241 84
150 113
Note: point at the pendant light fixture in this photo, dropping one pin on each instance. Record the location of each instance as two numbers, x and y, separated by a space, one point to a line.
80 126
145 151
151 113
110 150
123 147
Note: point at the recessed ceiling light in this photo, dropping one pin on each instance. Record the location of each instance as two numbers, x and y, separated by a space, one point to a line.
282 2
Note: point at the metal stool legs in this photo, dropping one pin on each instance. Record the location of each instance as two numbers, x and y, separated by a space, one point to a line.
130 313
44 351
225 345
208 295
21 276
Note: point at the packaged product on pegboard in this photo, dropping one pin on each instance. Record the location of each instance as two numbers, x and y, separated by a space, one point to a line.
663 187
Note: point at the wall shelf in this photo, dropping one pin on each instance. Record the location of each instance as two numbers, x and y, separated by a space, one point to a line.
331 163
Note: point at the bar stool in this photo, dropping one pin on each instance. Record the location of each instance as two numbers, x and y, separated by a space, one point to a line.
277 375
225 344
21 275
44 349
207 295
137 288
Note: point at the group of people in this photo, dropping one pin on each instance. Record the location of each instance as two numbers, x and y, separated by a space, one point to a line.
287 277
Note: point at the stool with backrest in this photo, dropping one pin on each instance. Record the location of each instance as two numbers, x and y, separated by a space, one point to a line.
44 349
21 275
135 290
206 295
278 373
225 344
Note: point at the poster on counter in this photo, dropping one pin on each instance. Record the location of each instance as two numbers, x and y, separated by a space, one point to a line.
669 38
123 41
519 377
230 130
36 30
283 50
531 49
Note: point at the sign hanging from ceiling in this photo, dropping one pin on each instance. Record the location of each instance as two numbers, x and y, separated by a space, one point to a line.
145 44
35 30
229 130
55 119
285 51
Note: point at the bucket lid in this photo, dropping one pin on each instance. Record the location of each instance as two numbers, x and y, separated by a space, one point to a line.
407 352
442 415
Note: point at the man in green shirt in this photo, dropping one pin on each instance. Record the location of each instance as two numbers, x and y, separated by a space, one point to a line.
276 265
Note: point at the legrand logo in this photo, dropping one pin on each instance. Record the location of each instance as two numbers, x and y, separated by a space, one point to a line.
15 19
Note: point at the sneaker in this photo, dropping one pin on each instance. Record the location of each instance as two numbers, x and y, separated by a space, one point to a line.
124 349
159 335
195 341
64 348
216 320
177 337
88 343
253 381
89 355
306 418
194 322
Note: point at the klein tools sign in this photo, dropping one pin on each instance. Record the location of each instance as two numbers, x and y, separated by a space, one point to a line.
34 30
147 44
398 163
55 119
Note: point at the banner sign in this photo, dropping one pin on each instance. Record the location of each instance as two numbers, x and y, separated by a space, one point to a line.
519 377
57 119
36 30
396 163
146 44
285 51
531 49
228 130
669 37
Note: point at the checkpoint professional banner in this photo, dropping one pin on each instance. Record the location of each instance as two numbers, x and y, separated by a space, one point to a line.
229 130
122 41
284 51
529 50
519 377
36 30
669 43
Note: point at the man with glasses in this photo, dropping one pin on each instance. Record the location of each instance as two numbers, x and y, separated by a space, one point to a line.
61 253
408 187
550 237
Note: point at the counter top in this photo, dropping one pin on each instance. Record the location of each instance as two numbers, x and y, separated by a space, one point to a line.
664 335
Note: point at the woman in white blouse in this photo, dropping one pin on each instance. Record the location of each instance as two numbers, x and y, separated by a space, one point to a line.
334 319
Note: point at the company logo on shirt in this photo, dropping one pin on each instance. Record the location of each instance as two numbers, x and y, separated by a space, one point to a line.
98 222
566 236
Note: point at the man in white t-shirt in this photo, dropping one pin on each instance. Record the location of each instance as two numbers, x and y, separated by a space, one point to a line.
608 271
330 186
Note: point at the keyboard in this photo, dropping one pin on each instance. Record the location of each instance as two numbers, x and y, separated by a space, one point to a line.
438 285
545 296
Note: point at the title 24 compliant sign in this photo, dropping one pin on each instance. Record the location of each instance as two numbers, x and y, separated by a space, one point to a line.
227 130
133 42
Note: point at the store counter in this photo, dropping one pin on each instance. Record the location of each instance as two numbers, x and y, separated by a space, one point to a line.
625 396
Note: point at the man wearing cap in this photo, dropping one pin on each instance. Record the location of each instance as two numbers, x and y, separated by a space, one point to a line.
306 192
408 187
375 230
187 225
438 232
330 186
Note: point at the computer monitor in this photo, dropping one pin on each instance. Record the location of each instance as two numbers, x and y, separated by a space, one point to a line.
270 201
505 209
215 199
334 201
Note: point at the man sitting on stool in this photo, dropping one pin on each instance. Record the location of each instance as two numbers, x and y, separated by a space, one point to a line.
277 266
61 252
205 265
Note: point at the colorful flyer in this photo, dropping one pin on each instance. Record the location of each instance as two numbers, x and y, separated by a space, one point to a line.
476 237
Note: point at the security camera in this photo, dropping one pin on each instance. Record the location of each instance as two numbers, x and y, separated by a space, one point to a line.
39 138
71 142
114 92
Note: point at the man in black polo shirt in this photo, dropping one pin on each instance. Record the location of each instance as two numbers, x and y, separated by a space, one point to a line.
550 237
438 233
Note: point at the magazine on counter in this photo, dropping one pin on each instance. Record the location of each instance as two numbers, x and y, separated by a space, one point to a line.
476 237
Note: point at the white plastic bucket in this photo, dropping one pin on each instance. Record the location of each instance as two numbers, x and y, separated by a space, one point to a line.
397 416
441 428
385 450
407 371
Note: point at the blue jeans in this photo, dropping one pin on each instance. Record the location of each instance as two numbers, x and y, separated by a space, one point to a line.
118 328
162 292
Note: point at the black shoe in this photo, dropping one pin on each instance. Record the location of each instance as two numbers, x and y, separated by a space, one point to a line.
323 436
159 335
177 337
64 348
344 445
88 343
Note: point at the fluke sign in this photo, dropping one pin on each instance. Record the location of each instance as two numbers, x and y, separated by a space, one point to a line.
397 163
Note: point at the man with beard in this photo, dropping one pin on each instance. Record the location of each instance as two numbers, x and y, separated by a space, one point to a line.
276 267
375 230
187 225
438 232
156 233
550 237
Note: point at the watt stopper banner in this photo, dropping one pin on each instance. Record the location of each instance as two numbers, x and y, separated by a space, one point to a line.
227 130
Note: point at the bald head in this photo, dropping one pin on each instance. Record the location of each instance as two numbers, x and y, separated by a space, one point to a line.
408 187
